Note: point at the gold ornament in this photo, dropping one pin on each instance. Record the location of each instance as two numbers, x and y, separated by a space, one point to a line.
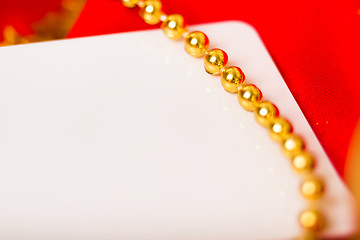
280 128
292 145
174 26
265 112
311 220
308 236
231 78
312 188
215 60
196 43
303 162
249 97
129 3
151 12
53 25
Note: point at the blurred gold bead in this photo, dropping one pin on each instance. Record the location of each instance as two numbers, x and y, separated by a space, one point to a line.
312 188
174 26
280 128
265 112
303 162
249 97
196 43
311 220
308 236
215 60
151 12
231 78
292 145
129 3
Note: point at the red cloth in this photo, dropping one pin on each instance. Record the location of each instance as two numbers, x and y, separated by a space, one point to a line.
22 14
315 45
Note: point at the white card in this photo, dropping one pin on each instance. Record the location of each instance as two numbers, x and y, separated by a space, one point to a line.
126 137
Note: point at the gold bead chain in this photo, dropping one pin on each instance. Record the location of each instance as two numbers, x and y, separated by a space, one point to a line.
250 98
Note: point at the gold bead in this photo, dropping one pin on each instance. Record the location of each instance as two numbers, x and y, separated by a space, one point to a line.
280 128
249 97
308 236
129 3
174 26
196 43
303 162
292 145
231 78
312 188
151 12
265 112
215 60
311 220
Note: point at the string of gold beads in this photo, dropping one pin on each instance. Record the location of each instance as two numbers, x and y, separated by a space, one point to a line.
250 98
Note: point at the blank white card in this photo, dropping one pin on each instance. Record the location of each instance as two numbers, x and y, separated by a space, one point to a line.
126 137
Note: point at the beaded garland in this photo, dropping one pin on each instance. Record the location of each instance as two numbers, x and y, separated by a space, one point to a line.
250 98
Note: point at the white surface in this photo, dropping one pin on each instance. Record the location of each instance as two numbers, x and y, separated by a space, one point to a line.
126 137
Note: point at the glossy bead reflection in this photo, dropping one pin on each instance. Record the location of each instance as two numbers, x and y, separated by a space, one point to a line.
249 97
215 60
174 26
280 128
196 43
292 145
312 188
303 162
231 78
265 112
151 12
311 220
129 3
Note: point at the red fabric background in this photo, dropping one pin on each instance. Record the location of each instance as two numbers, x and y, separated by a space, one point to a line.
22 13
315 44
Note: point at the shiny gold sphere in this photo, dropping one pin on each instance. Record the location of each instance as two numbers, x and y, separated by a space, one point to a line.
129 3
249 97
151 12
174 26
280 128
196 43
312 188
215 60
231 78
292 145
311 220
265 112
303 162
